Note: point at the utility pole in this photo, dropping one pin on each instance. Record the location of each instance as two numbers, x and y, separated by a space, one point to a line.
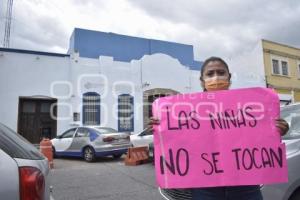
9 6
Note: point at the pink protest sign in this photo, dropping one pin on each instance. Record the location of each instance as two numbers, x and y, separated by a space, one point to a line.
218 139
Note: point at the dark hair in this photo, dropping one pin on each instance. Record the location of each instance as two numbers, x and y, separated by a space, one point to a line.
212 59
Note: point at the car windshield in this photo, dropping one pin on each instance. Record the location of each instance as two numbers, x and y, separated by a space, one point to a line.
146 132
106 130
291 114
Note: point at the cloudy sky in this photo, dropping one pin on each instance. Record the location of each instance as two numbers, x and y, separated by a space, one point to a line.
221 28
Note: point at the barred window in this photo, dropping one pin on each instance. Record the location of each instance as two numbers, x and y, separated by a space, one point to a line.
125 113
91 108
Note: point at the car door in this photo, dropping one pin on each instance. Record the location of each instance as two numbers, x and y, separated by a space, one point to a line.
146 137
80 140
64 141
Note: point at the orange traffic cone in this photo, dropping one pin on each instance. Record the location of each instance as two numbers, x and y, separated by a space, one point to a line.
46 150
137 156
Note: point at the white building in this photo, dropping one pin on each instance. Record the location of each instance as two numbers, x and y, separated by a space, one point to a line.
103 80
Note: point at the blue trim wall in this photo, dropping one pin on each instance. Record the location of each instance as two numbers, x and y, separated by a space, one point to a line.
33 52
92 44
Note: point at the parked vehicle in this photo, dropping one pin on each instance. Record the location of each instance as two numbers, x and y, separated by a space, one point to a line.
284 191
91 142
290 190
24 170
144 138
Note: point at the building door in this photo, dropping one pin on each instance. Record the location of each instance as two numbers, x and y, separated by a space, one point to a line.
35 120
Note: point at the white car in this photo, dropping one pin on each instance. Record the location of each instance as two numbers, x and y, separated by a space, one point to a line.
144 138
91 142
290 190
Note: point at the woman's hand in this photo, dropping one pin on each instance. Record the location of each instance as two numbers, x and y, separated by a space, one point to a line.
282 126
153 121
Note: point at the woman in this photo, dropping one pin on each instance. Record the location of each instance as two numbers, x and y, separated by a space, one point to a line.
215 76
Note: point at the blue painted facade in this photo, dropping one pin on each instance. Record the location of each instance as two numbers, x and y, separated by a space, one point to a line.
92 44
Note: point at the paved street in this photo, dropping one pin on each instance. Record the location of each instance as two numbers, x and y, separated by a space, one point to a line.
74 179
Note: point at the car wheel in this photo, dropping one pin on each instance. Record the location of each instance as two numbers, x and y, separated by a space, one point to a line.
295 196
89 154
116 156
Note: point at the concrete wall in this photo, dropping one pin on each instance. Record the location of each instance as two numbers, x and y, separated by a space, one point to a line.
67 78
28 75
33 75
111 78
